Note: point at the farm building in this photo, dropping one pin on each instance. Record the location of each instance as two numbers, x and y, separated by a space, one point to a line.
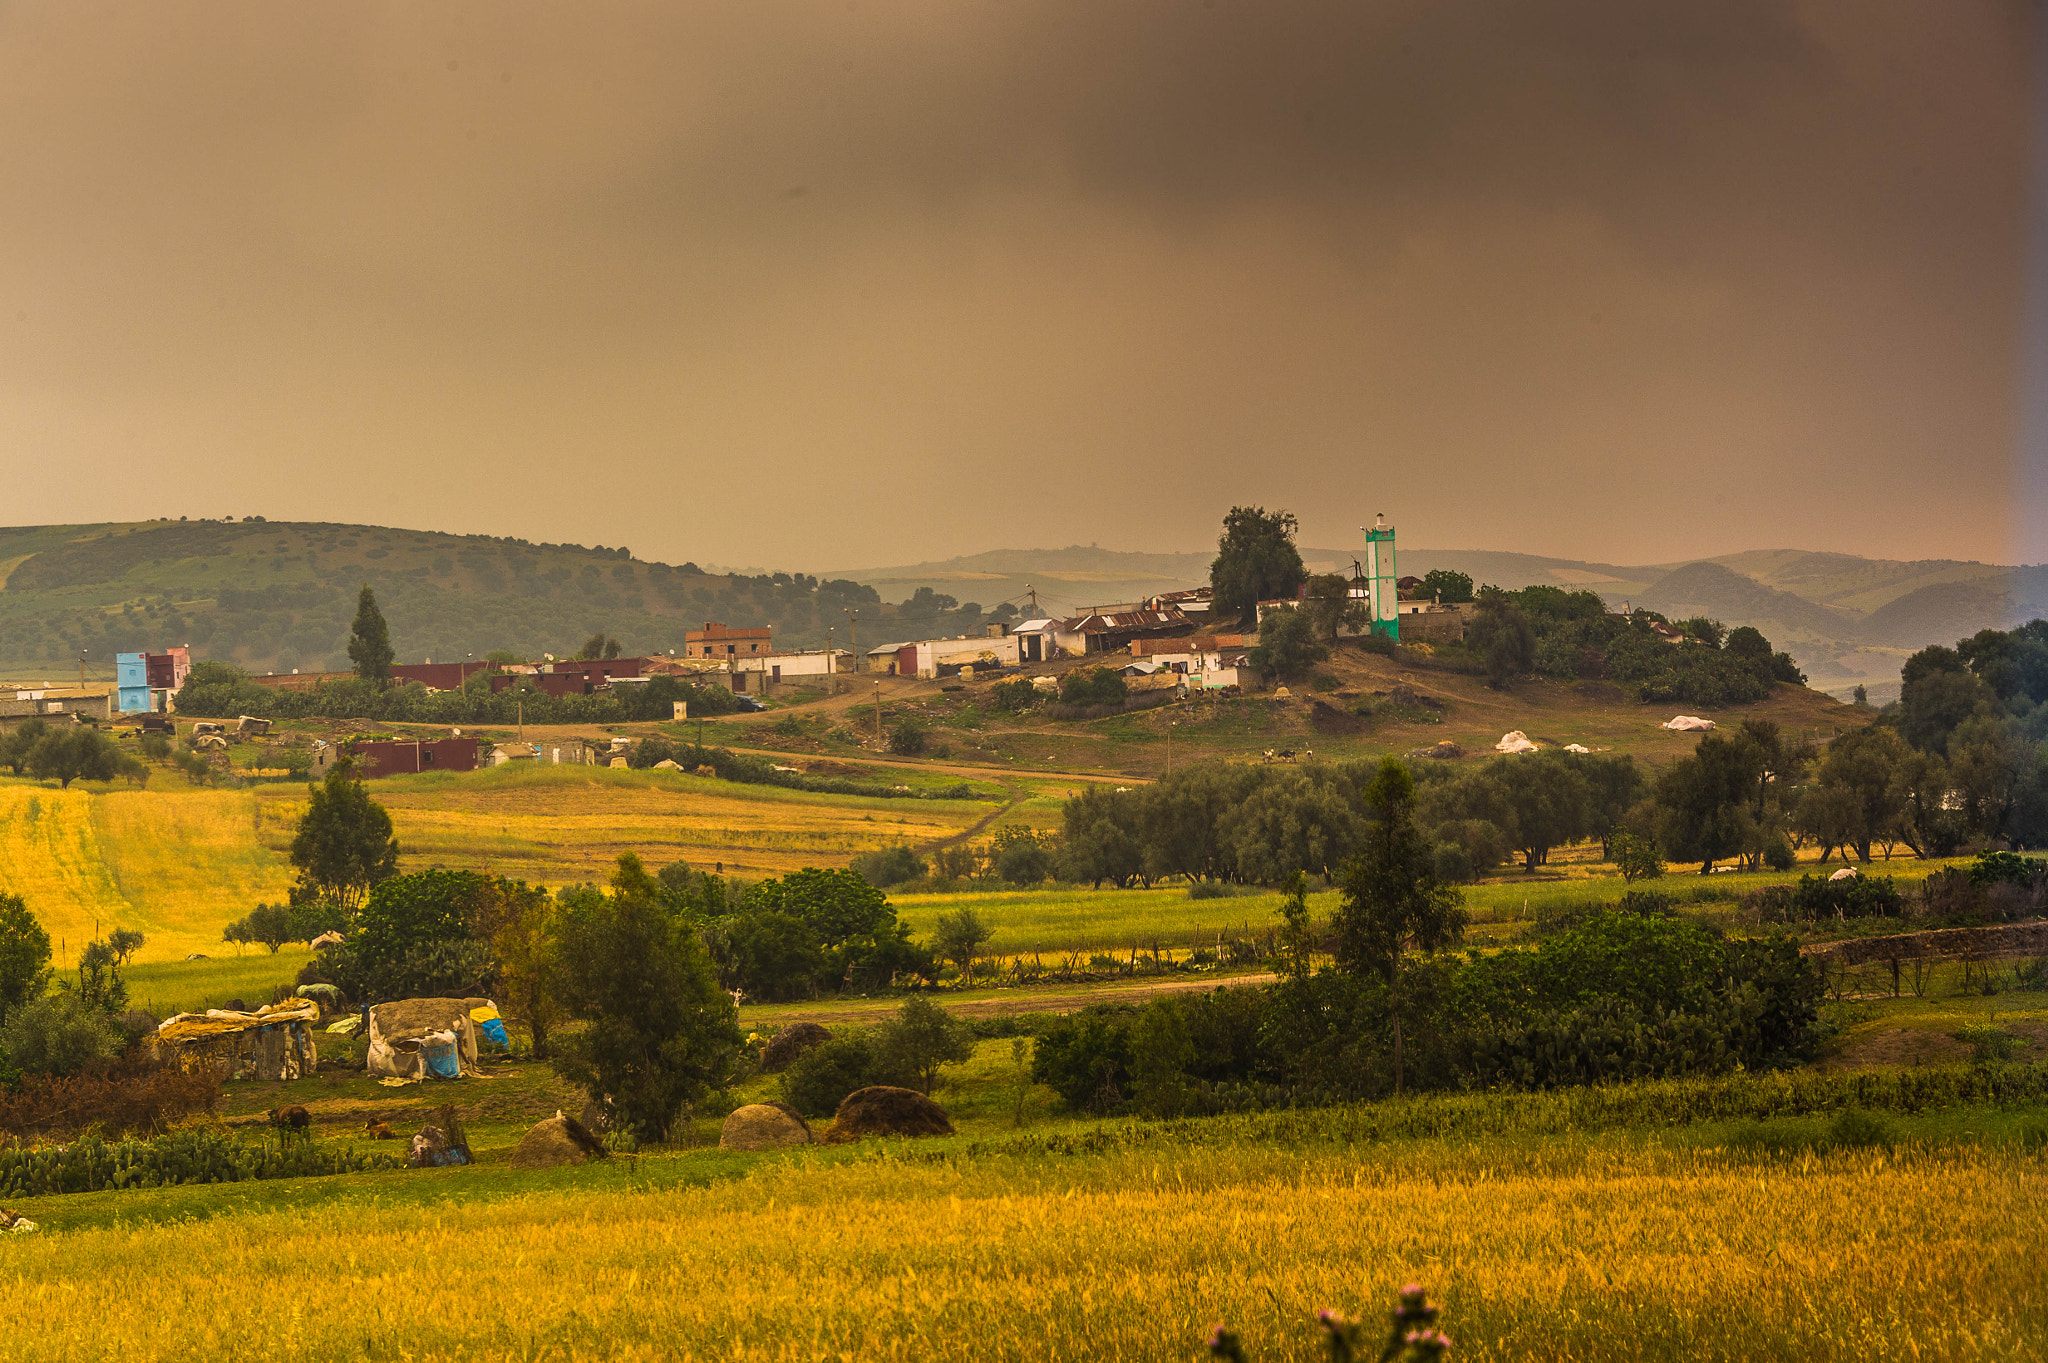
945 657
272 1043
377 757
808 663
439 676
54 704
1098 631
719 640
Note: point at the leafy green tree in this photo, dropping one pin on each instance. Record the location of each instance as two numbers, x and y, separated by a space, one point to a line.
1256 561
959 937
1447 586
1503 636
519 921
267 924
1635 857
369 641
1102 838
16 746
24 955
343 845
1025 862
1937 692
1331 607
1550 803
1297 939
768 955
125 942
1390 901
406 914
79 753
886 866
598 646
1288 645
660 1034
1705 801
920 1039
908 737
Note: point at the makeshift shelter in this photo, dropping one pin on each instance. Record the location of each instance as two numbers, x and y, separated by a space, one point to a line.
1514 741
1687 723
424 1038
271 1043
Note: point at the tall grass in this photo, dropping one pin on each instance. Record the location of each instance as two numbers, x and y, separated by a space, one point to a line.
1579 1251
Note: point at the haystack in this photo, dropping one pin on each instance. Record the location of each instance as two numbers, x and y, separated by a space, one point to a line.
887 1111
558 1140
764 1126
792 1041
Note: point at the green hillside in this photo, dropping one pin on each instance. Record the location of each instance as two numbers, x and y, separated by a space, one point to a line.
279 595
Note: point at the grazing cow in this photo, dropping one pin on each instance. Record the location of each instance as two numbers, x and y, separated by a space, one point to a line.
1285 754
294 1118
379 1131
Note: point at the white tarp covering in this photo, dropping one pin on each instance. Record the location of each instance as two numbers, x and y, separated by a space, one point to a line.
1688 723
1846 873
1576 747
1514 741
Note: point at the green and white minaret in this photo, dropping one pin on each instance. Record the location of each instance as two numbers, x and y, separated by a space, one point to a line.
1380 577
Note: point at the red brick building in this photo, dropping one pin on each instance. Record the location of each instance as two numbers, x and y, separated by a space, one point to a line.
405 757
718 640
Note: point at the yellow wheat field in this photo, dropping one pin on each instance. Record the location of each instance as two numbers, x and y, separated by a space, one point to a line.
174 865
1616 1255
180 865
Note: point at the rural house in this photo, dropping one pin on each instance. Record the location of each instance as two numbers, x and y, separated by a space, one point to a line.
272 1043
718 640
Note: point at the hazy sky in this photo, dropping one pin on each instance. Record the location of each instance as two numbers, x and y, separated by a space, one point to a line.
839 282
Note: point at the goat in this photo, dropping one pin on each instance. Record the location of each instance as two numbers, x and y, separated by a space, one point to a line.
380 1131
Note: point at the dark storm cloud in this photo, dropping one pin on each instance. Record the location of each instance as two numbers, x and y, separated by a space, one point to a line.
1507 270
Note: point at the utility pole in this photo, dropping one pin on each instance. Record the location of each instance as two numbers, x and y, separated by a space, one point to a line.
81 669
1169 745
1032 592
522 721
853 625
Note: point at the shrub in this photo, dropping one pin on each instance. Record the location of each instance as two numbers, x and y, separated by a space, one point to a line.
888 866
1208 889
1779 855
1024 862
131 1096
819 1080
91 1164
1092 686
58 1034
1857 1129
919 1039
1453 863
1086 1058
1990 1044
1013 697
771 955
907 737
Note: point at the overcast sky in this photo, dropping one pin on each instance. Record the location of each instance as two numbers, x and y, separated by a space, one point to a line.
838 282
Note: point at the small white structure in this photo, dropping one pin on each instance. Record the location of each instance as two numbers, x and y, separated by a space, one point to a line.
1577 747
1688 723
804 663
1515 741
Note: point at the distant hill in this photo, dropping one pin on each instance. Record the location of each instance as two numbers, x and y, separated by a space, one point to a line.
278 596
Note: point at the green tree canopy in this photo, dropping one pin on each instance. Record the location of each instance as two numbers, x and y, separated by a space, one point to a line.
1288 643
1447 586
24 955
77 753
1503 636
1256 561
369 640
344 844
660 1033
1390 901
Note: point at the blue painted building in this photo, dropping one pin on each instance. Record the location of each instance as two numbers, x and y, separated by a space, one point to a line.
131 683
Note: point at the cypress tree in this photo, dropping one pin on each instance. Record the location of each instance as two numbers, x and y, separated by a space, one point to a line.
369 643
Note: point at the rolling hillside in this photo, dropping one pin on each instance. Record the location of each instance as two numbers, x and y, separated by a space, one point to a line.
278 596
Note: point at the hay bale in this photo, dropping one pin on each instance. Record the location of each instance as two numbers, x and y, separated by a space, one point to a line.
764 1126
555 1141
792 1041
887 1111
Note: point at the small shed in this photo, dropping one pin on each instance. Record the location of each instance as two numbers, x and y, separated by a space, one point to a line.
405 1037
272 1043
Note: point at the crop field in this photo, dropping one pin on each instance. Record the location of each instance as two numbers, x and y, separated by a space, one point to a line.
1125 1244
1078 919
176 865
179 864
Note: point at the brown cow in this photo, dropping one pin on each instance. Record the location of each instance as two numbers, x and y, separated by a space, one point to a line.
290 1118
379 1131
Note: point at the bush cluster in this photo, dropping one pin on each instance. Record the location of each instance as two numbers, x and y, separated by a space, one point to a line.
91 1164
1620 997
